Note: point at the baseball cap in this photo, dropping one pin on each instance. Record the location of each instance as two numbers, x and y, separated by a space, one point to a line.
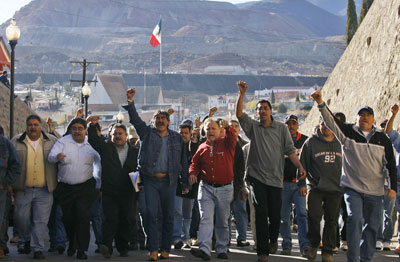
291 117
367 108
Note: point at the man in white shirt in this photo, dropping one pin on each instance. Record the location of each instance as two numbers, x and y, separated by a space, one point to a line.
76 189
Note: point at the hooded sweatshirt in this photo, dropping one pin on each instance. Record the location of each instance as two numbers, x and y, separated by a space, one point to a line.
323 162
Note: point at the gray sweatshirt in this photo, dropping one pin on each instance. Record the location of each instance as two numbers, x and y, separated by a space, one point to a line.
323 162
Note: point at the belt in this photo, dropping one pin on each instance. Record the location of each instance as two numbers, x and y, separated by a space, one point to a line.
216 185
160 175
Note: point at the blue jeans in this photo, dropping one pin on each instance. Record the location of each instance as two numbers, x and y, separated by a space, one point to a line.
33 206
241 217
364 212
218 200
97 219
290 194
57 234
385 230
182 218
157 191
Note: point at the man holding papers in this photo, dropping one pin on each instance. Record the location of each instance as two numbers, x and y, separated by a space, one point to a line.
118 159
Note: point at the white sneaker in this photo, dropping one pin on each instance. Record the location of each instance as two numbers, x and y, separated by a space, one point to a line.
344 246
379 245
386 246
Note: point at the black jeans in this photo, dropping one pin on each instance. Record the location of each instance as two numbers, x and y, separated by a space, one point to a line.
267 203
76 202
323 203
117 220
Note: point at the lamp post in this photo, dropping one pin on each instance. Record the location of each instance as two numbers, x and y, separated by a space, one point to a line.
86 93
12 34
120 117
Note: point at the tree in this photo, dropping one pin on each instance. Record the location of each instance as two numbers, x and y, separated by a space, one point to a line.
282 108
272 97
365 5
352 25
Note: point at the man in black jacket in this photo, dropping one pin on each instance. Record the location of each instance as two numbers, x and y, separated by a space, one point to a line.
118 159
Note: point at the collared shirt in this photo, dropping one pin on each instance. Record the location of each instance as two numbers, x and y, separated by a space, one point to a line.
123 153
269 145
77 166
162 161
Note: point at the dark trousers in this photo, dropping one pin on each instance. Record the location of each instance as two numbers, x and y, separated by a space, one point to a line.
76 201
323 203
267 203
194 224
117 222
136 232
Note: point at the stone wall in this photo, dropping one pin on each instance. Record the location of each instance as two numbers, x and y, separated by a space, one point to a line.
368 73
21 112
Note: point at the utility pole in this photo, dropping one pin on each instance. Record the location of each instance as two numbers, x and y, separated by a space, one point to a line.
84 65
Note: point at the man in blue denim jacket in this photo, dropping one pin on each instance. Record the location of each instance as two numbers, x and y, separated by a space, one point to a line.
162 159
10 170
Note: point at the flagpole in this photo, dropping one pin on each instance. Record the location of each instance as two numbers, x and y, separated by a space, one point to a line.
160 54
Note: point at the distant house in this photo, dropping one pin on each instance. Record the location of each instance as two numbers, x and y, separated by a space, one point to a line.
283 93
222 101
109 94
5 58
234 70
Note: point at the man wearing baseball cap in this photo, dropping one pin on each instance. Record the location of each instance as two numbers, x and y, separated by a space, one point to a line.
290 194
368 173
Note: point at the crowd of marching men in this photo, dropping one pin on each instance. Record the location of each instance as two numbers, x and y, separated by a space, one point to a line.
192 183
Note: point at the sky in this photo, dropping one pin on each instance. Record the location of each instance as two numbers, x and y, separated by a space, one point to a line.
8 10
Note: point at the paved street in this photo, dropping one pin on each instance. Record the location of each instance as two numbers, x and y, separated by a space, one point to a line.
236 254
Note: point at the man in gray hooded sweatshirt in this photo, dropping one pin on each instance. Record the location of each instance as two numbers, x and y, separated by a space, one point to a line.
321 157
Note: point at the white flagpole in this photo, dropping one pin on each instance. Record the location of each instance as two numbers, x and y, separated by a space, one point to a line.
160 54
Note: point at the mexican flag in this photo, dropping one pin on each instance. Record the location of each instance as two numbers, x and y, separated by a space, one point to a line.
155 39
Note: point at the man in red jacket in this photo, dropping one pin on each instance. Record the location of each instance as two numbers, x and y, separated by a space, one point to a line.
214 159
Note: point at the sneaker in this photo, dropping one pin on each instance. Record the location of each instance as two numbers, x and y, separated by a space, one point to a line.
187 245
397 250
344 246
200 254
38 255
242 243
104 251
379 245
178 244
326 257
386 246
222 256
286 252
335 250
273 247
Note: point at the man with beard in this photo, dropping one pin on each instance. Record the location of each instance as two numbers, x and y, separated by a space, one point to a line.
162 160
368 173
321 156
34 188
118 159
76 189
290 194
270 142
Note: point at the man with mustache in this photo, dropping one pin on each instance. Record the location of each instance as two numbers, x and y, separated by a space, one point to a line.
368 173
118 159
290 194
270 142
76 189
162 160
34 188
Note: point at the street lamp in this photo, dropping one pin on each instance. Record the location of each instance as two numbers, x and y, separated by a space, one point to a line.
86 93
120 117
12 34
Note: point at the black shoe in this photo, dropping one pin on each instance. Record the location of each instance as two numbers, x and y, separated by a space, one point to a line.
70 252
52 249
142 246
81 255
200 254
104 251
60 250
27 247
132 247
178 245
242 243
38 255
273 247
222 256
124 253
